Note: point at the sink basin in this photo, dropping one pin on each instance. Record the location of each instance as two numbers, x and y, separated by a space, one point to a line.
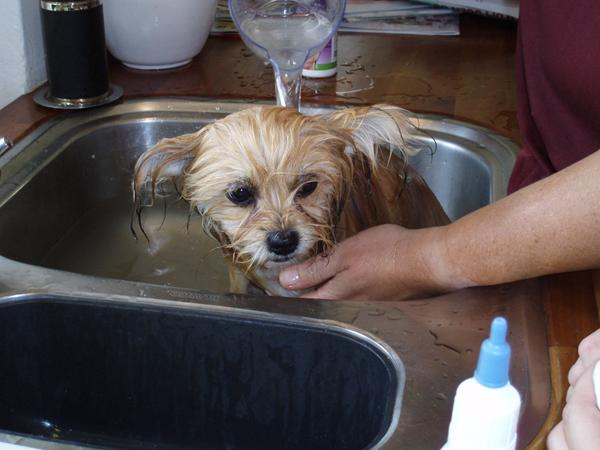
114 342
142 375
65 198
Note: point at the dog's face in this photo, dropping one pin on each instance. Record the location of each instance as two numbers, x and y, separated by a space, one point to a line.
269 183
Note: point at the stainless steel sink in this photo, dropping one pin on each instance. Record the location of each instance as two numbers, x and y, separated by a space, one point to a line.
65 196
69 257
144 374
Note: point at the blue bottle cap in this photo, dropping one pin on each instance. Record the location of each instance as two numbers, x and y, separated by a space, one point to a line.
494 356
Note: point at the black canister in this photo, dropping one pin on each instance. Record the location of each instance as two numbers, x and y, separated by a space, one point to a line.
76 63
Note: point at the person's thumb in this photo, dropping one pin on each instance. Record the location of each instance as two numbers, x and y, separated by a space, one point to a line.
309 274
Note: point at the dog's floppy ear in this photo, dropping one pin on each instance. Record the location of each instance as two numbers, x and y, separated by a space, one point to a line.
376 126
166 161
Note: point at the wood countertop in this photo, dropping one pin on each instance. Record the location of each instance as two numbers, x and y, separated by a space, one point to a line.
469 77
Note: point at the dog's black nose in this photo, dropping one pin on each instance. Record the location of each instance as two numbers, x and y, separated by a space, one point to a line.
283 242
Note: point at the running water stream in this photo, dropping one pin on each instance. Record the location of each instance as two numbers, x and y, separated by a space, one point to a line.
287 33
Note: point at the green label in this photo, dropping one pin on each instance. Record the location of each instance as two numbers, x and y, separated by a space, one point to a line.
327 66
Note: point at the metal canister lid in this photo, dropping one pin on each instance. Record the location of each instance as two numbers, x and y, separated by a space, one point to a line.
70 5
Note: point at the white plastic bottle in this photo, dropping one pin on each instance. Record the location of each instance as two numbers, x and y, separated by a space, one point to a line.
324 63
486 407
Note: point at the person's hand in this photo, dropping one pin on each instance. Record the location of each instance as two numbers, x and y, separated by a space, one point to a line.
386 262
580 425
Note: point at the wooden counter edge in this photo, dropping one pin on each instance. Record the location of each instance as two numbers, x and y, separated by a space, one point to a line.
561 359
585 319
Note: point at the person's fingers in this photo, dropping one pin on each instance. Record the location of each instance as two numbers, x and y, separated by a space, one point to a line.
329 291
589 349
309 273
589 352
581 416
556 439
569 393
575 371
582 394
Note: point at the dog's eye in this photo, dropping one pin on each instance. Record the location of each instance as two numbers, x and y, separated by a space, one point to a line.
306 189
241 196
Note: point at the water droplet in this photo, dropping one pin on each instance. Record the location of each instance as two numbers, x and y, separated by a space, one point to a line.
441 396
395 315
160 271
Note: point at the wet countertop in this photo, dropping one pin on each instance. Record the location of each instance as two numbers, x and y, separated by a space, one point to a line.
470 78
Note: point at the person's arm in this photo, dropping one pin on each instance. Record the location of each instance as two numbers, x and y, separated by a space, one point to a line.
551 226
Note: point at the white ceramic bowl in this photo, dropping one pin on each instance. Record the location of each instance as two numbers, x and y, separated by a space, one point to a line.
157 34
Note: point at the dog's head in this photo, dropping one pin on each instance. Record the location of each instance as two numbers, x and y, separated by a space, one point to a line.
270 182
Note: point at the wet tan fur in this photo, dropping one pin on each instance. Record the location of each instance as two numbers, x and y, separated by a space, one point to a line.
275 150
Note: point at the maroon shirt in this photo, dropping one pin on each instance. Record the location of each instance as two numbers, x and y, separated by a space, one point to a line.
558 86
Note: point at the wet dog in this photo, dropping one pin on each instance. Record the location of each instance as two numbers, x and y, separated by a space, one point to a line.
276 187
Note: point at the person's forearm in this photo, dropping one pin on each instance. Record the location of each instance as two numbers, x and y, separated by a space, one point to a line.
549 227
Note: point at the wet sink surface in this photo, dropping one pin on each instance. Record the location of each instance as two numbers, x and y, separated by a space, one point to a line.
65 212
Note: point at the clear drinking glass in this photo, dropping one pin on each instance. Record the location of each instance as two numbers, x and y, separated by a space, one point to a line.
287 33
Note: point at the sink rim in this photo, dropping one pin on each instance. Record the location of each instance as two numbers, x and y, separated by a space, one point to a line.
500 154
